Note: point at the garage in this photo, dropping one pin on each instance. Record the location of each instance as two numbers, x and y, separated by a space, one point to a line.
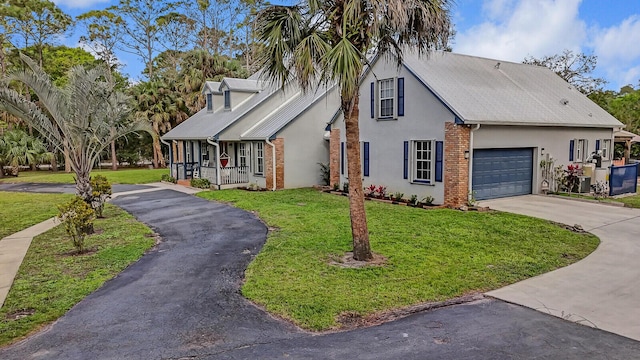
502 172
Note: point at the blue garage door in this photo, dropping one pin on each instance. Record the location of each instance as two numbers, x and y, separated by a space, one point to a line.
502 172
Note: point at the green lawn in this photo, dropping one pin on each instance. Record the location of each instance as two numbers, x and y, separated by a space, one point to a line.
123 176
50 281
432 255
628 201
19 211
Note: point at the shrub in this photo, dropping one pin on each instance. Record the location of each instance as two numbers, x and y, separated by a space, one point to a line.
397 196
100 192
77 217
325 173
413 200
168 178
428 200
345 187
200 183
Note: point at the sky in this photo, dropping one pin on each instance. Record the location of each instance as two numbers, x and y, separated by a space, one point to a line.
511 30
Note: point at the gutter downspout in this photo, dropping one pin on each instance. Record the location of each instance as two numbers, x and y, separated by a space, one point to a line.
273 162
217 146
471 159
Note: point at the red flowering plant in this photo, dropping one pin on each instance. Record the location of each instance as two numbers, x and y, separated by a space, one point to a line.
571 179
381 191
370 191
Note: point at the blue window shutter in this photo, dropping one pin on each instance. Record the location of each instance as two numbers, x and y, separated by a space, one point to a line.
366 158
373 100
400 96
597 145
571 149
342 158
406 159
439 148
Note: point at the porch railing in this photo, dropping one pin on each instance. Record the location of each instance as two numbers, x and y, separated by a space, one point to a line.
178 170
228 175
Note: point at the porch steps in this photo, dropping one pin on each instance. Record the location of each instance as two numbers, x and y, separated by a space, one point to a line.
186 182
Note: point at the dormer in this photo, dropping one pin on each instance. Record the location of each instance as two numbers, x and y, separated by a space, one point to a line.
211 90
236 91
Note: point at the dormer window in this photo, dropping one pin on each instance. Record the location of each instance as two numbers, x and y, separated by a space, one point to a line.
209 102
227 100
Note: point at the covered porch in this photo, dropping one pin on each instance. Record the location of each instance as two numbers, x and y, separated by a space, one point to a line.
225 165
626 139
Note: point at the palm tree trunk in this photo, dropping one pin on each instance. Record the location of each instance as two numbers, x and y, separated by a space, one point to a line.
114 159
83 185
158 159
359 231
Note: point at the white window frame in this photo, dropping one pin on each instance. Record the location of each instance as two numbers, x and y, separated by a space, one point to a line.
605 146
580 150
242 154
227 99
258 158
430 160
387 97
188 155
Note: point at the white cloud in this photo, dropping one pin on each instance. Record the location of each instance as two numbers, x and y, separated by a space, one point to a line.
513 30
618 51
79 3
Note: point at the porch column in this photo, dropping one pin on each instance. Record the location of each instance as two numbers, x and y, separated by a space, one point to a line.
627 151
184 157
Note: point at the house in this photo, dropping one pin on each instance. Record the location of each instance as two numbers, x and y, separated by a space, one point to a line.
251 132
452 125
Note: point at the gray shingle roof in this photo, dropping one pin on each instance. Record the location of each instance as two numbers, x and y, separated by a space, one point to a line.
212 86
206 124
245 85
478 90
282 116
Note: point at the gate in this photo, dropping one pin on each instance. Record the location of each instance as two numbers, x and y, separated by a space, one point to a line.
623 179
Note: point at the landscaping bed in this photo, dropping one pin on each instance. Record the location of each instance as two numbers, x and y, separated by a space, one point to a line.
431 256
53 277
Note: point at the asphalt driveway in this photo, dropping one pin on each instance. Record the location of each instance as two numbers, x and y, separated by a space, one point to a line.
183 301
601 290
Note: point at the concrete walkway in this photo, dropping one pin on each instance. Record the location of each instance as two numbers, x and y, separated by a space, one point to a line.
13 248
600 291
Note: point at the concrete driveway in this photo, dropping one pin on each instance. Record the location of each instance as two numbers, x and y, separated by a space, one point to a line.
601 290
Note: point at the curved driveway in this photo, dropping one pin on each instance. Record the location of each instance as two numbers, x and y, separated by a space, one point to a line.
182 301
601 290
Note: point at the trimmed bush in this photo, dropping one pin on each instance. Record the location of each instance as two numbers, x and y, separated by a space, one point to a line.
100 192
200 183
168 178
77 217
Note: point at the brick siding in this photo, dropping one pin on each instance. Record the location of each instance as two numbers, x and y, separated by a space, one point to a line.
268 163
456 167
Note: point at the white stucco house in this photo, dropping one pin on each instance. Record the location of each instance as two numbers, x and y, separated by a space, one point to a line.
452 125
251 132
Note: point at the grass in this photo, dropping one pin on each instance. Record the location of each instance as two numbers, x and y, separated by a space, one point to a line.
50 280
19 211
433 255
123 176
632 201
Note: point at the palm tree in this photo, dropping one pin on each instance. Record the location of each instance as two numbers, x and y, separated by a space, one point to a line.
322 41
19 148
79 116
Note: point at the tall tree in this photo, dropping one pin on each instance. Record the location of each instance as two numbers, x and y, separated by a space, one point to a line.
37 23
575 68
141 27
79 115
320 41
104 31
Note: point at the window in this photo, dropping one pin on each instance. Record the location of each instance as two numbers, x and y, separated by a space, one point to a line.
423 161
205 151
606 149
209 102
188 148
580 150
242 154
227 99
387 94
259 158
